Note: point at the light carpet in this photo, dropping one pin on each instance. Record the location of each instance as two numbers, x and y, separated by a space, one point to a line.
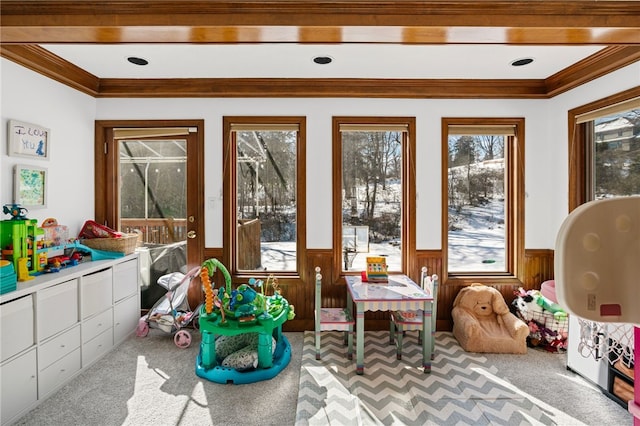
150 381
463 388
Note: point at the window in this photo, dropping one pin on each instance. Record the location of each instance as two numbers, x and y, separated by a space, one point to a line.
374 191
483 167
264 194
605 144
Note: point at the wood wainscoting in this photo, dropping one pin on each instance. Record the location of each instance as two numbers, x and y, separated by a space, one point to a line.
538 267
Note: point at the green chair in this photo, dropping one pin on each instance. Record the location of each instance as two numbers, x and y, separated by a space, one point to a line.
331 319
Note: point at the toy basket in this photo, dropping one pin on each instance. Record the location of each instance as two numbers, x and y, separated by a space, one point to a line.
125 244
546 331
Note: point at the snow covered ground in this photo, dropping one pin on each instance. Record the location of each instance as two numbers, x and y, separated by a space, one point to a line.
477 246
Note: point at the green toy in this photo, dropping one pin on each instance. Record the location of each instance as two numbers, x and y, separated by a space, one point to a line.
234 312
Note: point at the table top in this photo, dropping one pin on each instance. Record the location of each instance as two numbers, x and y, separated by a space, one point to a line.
399 288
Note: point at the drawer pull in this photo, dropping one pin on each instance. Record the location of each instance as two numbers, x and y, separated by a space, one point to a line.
63 370
62 346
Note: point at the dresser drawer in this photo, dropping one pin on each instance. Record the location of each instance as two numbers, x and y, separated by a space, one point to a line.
97 325
57 308
125 279
97 292
19 385
97 347
58 373
126 315
58 347
16 325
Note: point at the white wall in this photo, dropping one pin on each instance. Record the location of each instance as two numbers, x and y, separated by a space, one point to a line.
557 116
69 114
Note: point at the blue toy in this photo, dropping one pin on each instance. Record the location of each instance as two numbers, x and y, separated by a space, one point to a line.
16 212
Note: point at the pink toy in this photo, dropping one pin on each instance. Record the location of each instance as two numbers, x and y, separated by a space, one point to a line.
548 290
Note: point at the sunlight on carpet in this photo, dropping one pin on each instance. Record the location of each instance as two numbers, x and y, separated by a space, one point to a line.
176 409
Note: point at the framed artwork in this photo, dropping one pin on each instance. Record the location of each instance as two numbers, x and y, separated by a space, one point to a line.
28 140
30 186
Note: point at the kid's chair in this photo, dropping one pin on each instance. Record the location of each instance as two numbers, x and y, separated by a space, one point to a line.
336 319
402 321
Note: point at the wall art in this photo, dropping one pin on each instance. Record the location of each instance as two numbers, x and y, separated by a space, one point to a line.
28 140
30 186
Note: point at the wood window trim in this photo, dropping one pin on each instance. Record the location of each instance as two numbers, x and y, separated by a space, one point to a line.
578 149
514 157
408 254
229 185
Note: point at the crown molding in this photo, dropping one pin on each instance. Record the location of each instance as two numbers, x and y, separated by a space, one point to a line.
56 68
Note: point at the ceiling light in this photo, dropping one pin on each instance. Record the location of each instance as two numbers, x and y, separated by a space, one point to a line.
323 60
521 62
137 61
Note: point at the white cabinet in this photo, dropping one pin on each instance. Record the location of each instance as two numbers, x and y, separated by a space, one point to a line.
57 347
19 385
125 279
96 347
97 336
57 374
57 324
126 315
16 324
97 292
57 308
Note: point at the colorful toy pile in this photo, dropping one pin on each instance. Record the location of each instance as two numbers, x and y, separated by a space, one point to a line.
548 322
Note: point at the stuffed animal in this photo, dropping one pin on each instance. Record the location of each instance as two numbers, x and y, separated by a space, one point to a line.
482 322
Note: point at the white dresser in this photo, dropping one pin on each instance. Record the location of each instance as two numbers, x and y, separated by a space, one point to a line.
56 325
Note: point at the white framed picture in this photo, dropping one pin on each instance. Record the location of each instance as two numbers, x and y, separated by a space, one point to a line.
28 140
30 186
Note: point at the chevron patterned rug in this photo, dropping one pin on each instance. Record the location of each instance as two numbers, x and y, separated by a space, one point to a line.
463 388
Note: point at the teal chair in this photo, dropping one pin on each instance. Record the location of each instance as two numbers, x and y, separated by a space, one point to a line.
331 319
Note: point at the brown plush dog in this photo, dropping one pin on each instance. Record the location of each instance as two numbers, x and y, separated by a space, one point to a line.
482 322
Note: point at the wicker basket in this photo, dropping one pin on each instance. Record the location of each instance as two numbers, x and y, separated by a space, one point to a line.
125 244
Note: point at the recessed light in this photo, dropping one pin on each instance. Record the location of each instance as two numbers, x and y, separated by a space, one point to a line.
137 61
521 62
323 60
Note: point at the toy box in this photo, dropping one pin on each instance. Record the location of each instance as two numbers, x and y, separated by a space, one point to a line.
54 234
8 277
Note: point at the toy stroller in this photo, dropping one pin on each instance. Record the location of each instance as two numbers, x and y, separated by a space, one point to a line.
172 312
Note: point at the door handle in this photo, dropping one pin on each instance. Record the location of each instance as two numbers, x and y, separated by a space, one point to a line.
191 234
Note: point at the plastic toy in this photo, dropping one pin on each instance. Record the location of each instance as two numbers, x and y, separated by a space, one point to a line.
228 312
16 212
18 241
597 268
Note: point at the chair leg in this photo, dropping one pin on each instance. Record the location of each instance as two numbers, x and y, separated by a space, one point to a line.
392 332
317 345
433 345
349 344
399 336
